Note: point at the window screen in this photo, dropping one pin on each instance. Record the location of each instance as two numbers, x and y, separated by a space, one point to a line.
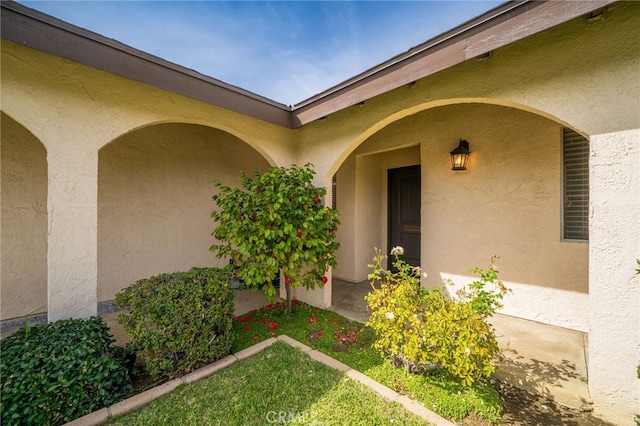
575 162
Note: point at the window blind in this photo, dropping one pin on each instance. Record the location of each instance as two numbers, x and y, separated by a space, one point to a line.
575 159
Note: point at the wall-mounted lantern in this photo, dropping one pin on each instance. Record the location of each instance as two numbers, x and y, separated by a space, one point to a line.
460 156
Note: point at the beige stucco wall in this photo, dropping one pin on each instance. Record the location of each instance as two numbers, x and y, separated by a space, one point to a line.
614 287
154 200
75 110
23 222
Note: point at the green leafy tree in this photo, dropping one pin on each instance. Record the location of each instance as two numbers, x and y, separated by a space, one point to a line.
276 222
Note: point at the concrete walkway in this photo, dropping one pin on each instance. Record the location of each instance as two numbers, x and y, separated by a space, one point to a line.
539 358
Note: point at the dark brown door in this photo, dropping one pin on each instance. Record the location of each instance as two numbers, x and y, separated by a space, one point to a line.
404 212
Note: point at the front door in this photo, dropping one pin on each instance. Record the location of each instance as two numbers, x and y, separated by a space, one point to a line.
404 212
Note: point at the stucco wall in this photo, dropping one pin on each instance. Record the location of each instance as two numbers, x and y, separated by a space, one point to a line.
73 111
508 203
614 287
154 200
23 223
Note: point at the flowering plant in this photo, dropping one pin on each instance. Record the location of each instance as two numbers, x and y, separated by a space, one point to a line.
421 328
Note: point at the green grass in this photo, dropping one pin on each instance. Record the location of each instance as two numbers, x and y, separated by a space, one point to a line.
280 383
320 329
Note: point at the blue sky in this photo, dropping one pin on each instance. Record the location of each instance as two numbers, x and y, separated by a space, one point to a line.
287 51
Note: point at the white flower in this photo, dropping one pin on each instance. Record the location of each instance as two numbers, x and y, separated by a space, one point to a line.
467 351
424 275
389 315
397 251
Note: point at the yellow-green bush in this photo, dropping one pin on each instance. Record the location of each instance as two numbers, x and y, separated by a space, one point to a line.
421 328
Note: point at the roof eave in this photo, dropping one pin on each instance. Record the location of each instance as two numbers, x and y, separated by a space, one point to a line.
30 28
505 24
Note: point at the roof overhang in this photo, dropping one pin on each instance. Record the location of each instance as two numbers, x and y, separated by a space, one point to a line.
505 24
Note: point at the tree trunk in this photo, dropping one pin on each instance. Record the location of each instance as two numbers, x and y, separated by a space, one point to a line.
287 287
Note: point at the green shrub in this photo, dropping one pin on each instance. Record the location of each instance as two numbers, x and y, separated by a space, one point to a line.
421 328
54 373
179 322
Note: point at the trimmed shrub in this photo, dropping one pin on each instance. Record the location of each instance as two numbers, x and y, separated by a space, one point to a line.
57 372
179 322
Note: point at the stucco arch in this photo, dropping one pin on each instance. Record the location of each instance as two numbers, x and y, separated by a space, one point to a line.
415 109
508 203
154 199
233 131
23 228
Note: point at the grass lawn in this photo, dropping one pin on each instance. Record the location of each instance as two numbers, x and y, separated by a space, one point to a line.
283 383
350 342
278 385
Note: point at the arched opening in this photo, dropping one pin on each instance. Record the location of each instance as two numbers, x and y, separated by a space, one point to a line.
154 199
23 228
508 202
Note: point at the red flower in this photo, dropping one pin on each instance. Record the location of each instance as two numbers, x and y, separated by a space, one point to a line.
317 309
325 280
299 234
313 319
273 325
316 198
256 337
319 334
246 328
295 303
248 319
272 333
287 280
264 320
270 305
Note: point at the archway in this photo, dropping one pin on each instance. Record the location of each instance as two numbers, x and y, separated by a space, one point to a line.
23 229
154 199
509 202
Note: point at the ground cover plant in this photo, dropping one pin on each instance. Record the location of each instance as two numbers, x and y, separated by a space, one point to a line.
279 385
54 373
178 322
351 342
276 223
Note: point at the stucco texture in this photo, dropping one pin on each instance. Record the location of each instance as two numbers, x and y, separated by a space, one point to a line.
154 200
23 229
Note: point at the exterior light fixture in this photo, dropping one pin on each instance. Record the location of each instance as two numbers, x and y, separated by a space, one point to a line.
460 156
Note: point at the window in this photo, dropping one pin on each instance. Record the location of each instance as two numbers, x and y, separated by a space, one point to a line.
334 196
575 165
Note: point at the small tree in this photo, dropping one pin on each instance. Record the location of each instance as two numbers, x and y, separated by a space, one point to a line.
276 222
